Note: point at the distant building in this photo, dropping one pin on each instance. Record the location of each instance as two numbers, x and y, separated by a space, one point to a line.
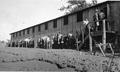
72 23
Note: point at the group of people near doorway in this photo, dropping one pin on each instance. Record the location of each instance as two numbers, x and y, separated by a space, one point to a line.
97 18
22 43
58 41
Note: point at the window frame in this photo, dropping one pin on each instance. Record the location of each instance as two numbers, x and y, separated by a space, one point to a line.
39 28
23 32
16 34
66 20
20 33
13 35
33 29
28 31
55 23
79 16
46 26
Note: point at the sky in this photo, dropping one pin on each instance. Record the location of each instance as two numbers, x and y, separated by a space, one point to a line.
19 14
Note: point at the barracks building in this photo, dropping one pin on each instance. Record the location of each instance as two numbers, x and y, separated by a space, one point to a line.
72 23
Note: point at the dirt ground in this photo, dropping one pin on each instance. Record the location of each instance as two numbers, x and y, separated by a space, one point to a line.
34 59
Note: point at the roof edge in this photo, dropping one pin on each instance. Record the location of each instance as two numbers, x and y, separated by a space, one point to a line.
68 14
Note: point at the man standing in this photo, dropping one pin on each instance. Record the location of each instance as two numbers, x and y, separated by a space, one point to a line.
96 19
102 16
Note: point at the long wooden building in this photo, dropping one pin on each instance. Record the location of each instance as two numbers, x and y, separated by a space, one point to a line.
73 23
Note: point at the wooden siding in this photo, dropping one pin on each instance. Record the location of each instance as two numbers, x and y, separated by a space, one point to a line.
73 26
115 16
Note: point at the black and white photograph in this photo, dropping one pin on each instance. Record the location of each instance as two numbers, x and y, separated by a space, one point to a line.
60 35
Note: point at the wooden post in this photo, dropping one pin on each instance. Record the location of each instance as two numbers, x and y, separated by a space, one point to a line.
26 44
90 39
35 42
77 40
104 35
108 16
82 36
101 49
77 44
108 10
18 44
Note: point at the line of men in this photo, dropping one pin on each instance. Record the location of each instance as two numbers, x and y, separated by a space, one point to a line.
44 42
58 42
23 43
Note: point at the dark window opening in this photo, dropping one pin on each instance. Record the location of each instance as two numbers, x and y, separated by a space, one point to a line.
23 32
55 24
19 33
79 16
13 35
16 34
33 29
46 26
65 20
28 31
118 40
39 28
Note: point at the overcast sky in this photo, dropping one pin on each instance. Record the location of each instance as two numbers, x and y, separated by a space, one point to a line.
19 14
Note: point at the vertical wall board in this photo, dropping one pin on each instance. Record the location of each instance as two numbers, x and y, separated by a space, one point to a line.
50 25
59 24
74 24
70 27
115 16
42 28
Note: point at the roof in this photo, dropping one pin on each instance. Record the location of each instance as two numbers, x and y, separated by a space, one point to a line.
66 15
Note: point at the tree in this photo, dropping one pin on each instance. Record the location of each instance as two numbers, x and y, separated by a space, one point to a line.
94 2
75 5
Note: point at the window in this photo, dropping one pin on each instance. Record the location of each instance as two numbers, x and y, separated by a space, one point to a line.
13 35
46 26
20 33
23 32
54 23
118 40
33 29
65 20
79 16
28 31
16 34
39 28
